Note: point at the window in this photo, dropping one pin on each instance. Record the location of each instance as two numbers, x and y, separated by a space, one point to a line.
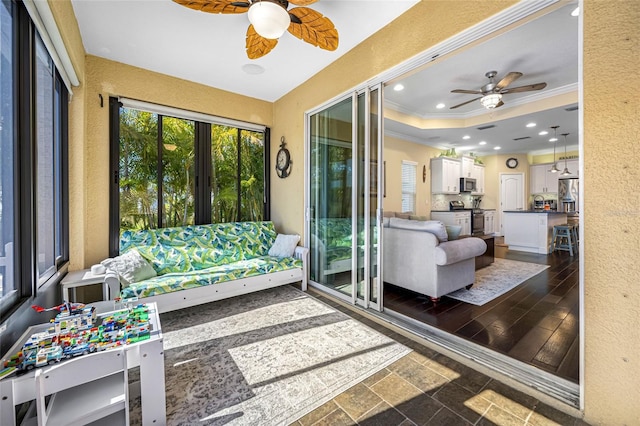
409 186
175 168
33 147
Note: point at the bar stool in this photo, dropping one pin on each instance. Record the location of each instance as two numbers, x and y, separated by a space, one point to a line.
564 238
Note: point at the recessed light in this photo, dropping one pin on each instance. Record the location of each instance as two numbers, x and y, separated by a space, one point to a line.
544 132
465 137
252 69
576 11
440 105
482 143
553 139
531 125
496 148
398 87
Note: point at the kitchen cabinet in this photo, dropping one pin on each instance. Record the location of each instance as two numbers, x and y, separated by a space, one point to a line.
459 218
466 169
489 222
530 231
572 165
477 172
542 180
445 175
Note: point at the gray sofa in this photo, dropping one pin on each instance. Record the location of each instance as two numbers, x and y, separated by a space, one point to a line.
419 257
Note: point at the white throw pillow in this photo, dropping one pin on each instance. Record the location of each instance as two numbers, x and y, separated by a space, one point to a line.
131 267
284 246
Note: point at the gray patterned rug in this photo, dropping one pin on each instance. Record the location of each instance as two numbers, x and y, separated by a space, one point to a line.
265 358
497 279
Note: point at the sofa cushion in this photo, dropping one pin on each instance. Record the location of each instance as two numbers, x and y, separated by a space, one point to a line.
435 227
131 267
451 252
284 246
195 247
171 282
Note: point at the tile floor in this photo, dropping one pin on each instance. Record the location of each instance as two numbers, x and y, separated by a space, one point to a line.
428 388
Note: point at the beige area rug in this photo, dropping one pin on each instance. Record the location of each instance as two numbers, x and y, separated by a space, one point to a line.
266 358
497 279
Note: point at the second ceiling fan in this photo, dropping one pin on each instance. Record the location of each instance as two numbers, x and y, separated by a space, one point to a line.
491 93
270 18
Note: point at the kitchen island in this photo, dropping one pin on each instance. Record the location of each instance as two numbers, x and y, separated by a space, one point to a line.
531 230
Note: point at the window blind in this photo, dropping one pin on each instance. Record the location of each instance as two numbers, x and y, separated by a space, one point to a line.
409 172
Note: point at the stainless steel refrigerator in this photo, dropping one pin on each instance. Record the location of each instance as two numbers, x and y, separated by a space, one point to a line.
568 193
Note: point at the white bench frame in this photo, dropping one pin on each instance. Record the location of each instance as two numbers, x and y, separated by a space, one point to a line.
211 293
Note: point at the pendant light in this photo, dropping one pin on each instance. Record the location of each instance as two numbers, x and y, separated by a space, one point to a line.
554 169
566 171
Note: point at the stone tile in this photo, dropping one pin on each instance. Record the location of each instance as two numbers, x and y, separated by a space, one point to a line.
462 401
546 415
420 409
496 416
421 349
580 422
318 413
395 390
376 377
336 418
407 422
418 375
382 415
509 399
448 418
458 373
357 400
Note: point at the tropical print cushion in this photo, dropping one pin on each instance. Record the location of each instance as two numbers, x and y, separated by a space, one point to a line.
216 274
197 247
335 234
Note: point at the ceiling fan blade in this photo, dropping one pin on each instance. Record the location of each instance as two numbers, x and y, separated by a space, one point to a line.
464 103
216 6
471 92
258 46
314 28
507 80
527 88
302 2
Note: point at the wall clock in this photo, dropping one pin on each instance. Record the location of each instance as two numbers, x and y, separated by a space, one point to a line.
512 163
283 161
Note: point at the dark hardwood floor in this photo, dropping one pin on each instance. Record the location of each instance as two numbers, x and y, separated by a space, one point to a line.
536 322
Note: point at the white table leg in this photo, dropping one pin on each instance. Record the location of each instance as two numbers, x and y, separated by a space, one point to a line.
152 386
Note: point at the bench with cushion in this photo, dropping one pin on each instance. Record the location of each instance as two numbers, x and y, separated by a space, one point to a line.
189 265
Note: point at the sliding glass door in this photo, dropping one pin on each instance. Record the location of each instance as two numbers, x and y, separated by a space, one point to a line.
344 197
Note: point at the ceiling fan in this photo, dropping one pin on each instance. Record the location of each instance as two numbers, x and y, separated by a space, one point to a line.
492 92
269 20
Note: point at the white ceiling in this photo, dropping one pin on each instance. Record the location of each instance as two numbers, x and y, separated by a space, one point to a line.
168 38
544 50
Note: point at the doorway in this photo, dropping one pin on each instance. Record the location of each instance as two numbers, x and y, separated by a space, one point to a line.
511 194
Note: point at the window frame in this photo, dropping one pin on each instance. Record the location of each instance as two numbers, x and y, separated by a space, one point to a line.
203 161
414 185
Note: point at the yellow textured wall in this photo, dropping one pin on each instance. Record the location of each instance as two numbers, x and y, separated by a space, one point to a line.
110 78
612 212
395 151
422 26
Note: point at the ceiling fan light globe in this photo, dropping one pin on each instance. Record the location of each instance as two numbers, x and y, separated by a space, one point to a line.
491 101
270 20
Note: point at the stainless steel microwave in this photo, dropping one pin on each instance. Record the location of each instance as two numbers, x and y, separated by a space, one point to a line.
467 184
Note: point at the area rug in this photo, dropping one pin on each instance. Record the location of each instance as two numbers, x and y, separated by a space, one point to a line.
265 358
497 279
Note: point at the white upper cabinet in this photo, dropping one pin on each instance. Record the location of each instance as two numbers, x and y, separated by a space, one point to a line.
542 180
445 175
467 167
477 172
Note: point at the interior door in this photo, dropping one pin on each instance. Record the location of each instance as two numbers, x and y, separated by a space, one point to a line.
511 194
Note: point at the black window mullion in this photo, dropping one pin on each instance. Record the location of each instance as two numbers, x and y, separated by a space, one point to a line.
203 172
159 169
114 177
267 176
239 174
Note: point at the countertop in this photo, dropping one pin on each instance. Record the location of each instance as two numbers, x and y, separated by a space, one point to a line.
463 210
535 211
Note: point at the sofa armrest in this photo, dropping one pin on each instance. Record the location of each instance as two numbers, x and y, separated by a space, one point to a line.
112 281
302 253
450 252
